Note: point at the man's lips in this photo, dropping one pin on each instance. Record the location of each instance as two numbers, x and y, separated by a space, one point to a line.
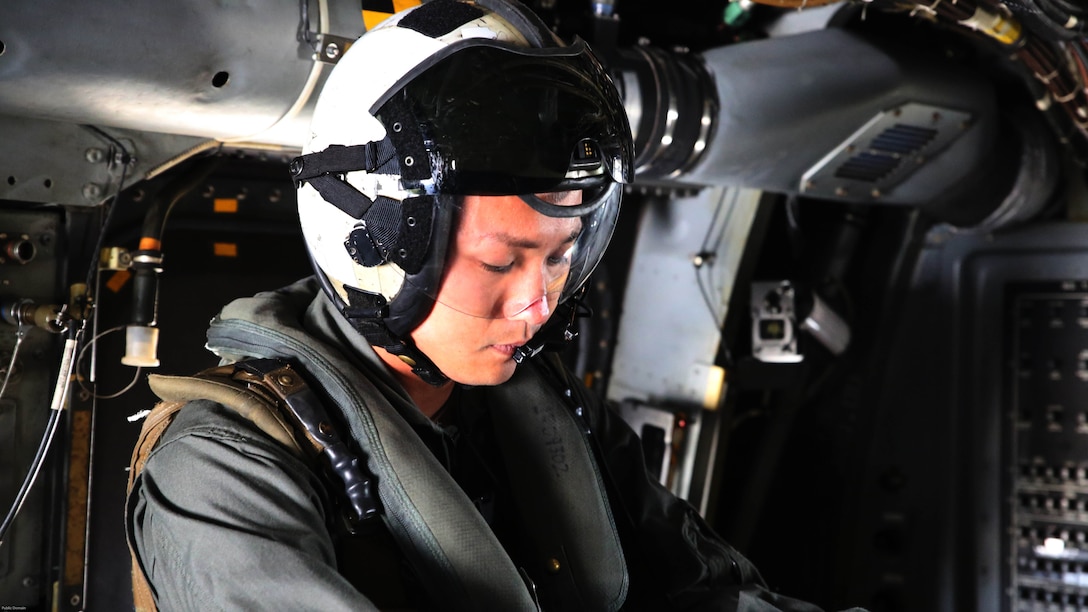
506 349
509 348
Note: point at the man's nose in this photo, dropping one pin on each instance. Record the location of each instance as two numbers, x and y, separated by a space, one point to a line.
530 300
535 313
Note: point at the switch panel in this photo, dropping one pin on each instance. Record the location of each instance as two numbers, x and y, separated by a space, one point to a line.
1047 447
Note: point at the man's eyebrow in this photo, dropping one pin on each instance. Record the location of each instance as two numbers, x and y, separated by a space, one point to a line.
524 243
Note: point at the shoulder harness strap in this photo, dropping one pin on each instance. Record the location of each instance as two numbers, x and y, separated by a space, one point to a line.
274 397
154 425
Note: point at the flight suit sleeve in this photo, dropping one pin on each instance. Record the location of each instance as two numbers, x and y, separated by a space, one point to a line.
222 518
676 561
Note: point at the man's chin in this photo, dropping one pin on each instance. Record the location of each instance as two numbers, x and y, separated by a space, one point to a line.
486 376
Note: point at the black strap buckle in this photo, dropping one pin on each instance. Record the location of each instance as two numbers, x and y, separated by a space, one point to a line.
305 410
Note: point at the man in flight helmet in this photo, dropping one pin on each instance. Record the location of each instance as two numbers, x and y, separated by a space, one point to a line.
468 115
462 179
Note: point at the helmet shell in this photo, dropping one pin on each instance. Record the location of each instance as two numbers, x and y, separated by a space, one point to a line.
395 251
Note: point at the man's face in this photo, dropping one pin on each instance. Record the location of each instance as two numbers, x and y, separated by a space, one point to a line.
505 269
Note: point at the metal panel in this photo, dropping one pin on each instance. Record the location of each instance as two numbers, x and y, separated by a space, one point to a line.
164 80
682 272
56 162
677 296
786 102
24 409
232 71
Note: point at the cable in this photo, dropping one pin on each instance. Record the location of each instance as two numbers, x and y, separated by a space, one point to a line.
154 222
19 335
708 253
721 235
60 395
109 206
28 482
180 157
79 360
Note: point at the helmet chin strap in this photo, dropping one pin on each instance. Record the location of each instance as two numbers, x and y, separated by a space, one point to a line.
374 329
366 314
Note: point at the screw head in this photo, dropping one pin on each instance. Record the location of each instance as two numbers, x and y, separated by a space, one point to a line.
296 166
92 191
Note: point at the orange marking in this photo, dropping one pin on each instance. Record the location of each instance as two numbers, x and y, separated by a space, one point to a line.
225 249
118 280
225 205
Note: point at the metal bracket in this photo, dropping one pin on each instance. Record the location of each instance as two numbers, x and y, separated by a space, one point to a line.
330 48
115 258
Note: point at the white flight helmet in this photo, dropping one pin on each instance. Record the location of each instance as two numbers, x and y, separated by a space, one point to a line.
446 99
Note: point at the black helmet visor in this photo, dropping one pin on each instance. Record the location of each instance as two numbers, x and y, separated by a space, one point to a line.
497 120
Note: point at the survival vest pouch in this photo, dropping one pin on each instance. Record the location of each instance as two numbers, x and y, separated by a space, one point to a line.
271 394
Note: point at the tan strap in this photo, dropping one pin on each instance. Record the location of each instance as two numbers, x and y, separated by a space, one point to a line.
251 398
245 398
154 425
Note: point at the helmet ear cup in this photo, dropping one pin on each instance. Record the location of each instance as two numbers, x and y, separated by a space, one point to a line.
362 248
397 232
426 244
411 244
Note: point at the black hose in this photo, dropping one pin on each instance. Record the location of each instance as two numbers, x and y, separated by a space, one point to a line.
163 203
